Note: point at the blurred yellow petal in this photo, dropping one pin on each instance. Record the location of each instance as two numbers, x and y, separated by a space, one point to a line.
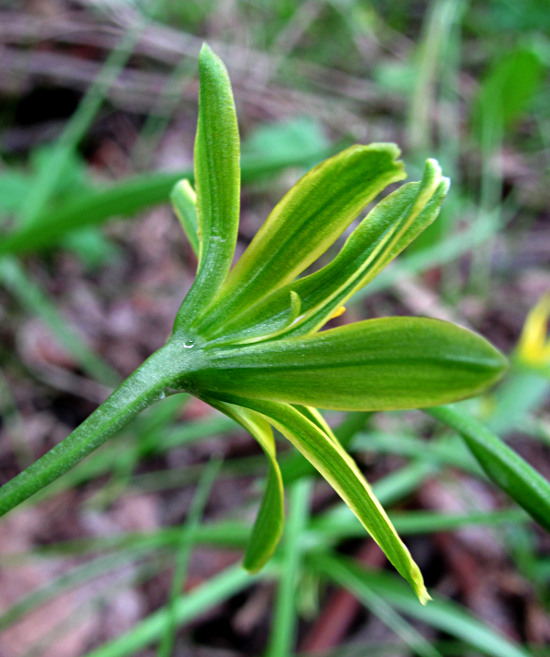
534 346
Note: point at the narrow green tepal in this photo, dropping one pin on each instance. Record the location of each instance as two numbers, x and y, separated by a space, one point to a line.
217 184
304 224
380 364
184 202
268 526
331 460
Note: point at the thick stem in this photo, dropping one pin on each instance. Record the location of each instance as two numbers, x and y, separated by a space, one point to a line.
141 389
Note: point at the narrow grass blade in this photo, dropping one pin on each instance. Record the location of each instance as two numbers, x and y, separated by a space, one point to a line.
507 89
229 534
188 533
285 617
504 467
72 579
524 390
403 482
432 49
393 620
29 294
339 524
270 520
105 461
188 607
425 522
13 426
443 452
77 126
443 615
161 114
123 199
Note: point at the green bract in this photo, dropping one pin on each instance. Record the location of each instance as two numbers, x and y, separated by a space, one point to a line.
246 339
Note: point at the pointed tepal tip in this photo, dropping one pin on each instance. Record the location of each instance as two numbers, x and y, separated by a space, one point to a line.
209 61
415 579
424 596
433 177
432 171
205 51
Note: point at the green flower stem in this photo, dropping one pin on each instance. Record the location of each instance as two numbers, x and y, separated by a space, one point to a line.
503 466
146 385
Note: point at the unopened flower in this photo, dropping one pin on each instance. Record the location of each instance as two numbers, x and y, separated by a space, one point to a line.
248 340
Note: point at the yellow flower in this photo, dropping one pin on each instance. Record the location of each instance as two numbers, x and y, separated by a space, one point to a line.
533 347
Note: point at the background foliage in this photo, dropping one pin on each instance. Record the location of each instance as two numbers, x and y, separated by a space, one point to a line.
97 122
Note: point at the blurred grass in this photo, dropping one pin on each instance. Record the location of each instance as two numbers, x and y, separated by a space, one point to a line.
460 81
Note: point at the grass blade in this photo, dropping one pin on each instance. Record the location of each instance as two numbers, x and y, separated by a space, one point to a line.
443 615
503 466
188 607
29 294
283 628
184 550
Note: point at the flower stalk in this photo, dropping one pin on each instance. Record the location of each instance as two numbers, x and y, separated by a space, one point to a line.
146 385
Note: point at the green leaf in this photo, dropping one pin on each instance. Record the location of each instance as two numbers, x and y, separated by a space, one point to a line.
506 468
217 184
124 199
338 468
184 201
507 89
309 218
286 611
270 519
295 136
378 364
389 228
14 185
